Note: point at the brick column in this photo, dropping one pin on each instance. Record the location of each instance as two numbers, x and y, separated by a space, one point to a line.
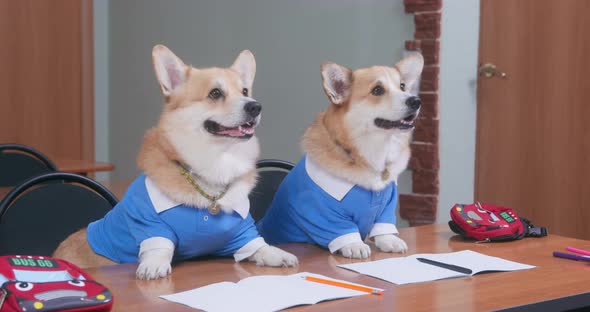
420 206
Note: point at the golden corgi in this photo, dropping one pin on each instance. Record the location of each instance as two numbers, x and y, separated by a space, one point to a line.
344 189
199 164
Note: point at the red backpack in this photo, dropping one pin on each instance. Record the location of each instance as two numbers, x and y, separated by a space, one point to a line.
34 283
490 223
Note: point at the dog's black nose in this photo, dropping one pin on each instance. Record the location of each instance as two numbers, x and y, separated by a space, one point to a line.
253 108
413 102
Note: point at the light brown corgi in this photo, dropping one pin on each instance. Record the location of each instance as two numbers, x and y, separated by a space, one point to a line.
199 164
344 189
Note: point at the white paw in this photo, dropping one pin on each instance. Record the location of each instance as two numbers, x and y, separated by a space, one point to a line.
390 243
273 256
154 264
358 250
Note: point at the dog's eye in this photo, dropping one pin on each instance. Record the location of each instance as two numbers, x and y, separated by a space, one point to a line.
402 86
378 91
245 91
215 94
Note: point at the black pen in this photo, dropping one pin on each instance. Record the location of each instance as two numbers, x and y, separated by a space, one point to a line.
451 267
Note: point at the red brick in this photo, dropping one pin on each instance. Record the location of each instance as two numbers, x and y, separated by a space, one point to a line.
429 80
426 130
427 34
425 182
412 45
418 209
429 20
427 25
429 107
424 157
430 50
413 6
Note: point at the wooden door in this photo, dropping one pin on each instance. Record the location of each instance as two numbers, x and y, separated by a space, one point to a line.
533 127
46 76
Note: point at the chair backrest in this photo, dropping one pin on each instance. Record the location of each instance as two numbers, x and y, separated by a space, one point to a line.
20 162
41 212
271 173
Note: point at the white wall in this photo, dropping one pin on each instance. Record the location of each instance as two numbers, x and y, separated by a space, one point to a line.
458 76
290 40
101 83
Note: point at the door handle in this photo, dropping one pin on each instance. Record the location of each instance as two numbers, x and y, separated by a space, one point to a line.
489 70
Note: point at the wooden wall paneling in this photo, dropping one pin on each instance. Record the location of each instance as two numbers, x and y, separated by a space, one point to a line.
533 136
46 76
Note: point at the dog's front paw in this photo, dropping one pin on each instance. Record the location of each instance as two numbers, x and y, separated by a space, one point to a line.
358 250
148 270
273 256
390 243
154 264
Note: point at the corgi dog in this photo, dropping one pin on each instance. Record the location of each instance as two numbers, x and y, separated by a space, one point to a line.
344 188
199 164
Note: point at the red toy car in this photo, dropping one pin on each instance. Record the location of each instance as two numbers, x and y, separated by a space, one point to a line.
34 283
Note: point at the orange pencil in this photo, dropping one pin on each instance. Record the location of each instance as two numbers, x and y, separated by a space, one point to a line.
370 290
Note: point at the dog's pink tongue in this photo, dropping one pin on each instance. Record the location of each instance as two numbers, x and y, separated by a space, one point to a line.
232 132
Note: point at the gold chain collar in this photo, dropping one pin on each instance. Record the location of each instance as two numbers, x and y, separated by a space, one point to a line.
214 207
348 152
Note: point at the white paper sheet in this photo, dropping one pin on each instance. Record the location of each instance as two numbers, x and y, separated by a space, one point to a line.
405 270
262 293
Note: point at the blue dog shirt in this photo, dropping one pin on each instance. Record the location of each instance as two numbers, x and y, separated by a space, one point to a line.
314 206
145 212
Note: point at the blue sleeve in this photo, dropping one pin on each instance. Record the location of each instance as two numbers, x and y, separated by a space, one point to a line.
244 234
388 213
321 222
144 222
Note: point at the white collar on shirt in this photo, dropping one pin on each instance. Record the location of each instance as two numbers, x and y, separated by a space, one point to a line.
331 184
162 202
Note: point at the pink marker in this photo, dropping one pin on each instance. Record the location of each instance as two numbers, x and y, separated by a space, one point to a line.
578 251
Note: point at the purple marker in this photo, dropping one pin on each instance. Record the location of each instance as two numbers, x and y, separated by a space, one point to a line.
566 255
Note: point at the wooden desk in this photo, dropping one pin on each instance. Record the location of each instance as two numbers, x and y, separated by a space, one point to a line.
553 278
82 166
119 188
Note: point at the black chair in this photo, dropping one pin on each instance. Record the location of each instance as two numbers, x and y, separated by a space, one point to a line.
41 212
20 162
271 173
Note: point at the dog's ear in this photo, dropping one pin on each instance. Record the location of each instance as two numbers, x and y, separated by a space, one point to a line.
337 82
410 69
245 66
170 70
